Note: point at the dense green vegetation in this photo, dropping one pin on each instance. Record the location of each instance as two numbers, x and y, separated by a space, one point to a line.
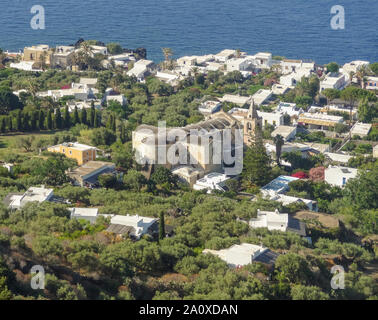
84 261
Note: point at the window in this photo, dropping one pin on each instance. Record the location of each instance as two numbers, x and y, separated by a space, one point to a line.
64 150
70 152
344 180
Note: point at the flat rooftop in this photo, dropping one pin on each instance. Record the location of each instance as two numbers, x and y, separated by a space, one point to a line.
84 212
361 128
75 145
213 177
283 131
90 167
320 116
279 183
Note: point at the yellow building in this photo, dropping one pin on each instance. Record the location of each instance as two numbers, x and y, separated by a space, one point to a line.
37 54
80 152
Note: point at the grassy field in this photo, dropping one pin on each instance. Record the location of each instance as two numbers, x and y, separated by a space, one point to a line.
8 143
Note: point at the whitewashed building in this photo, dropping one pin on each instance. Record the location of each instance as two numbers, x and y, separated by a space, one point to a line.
212 181
277 221
89 214
37 194
241 255
209 107
339 176
262 96
287 132
273 118
139 225
334 81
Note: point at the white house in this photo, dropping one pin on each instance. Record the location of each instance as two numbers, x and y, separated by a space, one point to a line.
122 59
212 181
80 105
288 66
280 89
290 80
277 221
25 66
290 109
213 66
287 200
239 64
372 83
137 225
38 194
187 61
79 92
361 129
273 118
287 132
338 157
333 81
140 225
141 69
89 214
225 55
209 107
262 96
168 77
99 50
239 100
263 60
241 255
339 176
353 67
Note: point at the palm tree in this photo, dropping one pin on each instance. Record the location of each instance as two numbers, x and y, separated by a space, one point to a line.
3 57
83 56
115 81
42 60
86 48
351 75
279 142
361 74
168 53
34 87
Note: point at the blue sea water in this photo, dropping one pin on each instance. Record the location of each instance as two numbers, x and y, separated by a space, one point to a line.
291 28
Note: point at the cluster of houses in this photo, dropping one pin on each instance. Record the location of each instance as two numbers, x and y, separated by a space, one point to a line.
132 226
204 173
63 57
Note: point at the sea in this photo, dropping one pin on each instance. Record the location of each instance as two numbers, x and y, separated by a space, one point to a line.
291 28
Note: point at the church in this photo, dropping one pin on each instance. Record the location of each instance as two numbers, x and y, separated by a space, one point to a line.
213 145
